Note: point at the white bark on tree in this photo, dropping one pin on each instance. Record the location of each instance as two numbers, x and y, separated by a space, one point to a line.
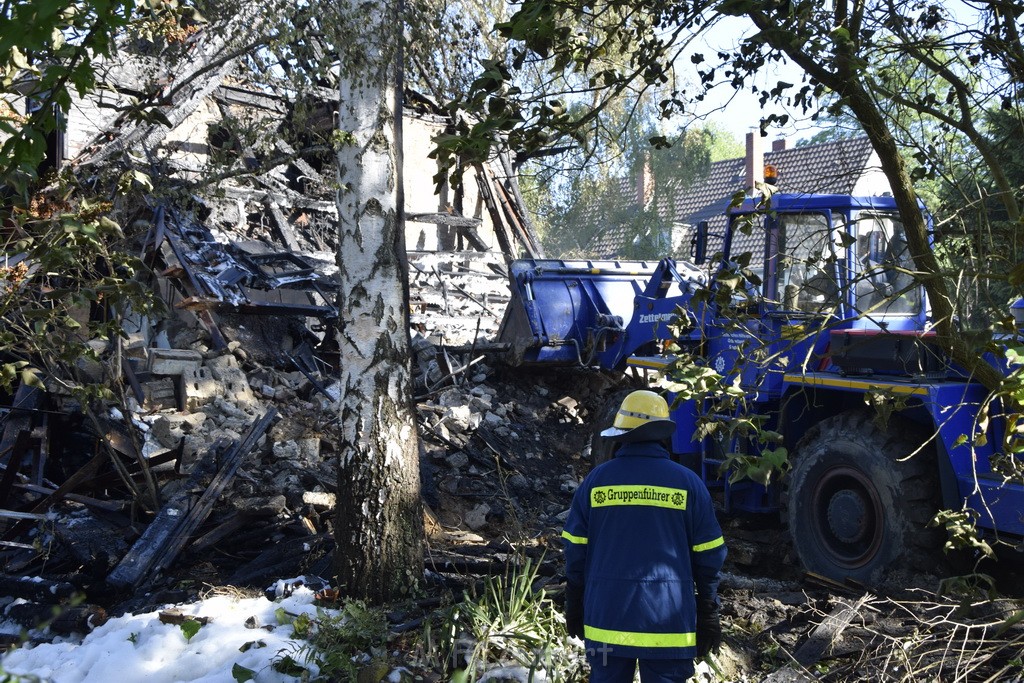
379 521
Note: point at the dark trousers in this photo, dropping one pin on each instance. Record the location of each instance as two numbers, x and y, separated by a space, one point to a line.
607 669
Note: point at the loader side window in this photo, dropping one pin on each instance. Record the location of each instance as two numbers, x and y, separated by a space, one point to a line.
882 280
806 269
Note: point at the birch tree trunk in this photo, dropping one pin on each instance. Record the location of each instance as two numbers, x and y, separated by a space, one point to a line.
379 519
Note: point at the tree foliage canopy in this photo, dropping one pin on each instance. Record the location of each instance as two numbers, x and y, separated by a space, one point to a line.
902 70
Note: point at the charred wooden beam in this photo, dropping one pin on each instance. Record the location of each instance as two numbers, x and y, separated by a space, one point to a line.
26 400
300 163
452 219
473 237
105 505
41 436
174 525
314 381
133 380
284 198
233 95
271 308
155 238
16 514
13 465
501 229
514 219
818 643
284 228
284 558
826 633
247 511
87 471
512 180
35 589
67 620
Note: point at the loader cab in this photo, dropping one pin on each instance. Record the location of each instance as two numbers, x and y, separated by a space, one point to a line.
833 258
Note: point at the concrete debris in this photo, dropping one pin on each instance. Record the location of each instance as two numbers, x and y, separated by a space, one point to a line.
476 518
174 361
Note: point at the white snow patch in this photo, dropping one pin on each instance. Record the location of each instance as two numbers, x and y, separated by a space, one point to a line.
138 647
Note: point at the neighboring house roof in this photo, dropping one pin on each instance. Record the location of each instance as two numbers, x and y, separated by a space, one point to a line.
828 168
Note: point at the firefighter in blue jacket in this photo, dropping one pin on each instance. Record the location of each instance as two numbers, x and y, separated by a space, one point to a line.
643 552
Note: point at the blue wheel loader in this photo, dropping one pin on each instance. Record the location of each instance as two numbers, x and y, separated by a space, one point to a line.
829 321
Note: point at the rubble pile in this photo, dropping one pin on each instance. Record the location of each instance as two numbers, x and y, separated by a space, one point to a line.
218 466
458 299
506 448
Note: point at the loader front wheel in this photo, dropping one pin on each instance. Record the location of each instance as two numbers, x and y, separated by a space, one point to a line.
860 499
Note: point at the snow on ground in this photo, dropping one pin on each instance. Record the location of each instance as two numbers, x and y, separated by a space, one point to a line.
138 647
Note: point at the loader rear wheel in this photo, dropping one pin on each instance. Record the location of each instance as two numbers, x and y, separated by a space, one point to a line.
601 449
860 499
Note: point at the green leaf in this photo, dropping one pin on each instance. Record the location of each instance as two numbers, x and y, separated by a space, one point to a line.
841 34
241 674
30 377
18 59
190 628
301 626
289 667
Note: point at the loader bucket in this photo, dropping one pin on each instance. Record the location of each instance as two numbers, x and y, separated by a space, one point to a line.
562 312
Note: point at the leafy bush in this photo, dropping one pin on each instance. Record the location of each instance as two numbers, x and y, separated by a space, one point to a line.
507 624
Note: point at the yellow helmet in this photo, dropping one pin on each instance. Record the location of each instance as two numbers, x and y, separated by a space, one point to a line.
643 416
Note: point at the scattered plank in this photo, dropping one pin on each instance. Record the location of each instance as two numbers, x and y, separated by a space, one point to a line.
13 465
176 617
828 631
818 643
444 219
168 533
239 520
95 503
35 589
87 471
284 228
68 620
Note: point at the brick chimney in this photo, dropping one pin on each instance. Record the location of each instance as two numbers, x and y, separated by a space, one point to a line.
644 183
779 145
755 160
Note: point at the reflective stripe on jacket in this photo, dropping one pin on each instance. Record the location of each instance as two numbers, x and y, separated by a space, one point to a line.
640 528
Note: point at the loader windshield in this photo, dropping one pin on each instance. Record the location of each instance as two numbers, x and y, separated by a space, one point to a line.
882 279
806 270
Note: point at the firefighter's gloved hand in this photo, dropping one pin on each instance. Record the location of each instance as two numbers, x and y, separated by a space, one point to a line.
709 628
574 610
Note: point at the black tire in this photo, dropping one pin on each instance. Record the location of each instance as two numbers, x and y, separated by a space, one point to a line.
858 506
601 449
